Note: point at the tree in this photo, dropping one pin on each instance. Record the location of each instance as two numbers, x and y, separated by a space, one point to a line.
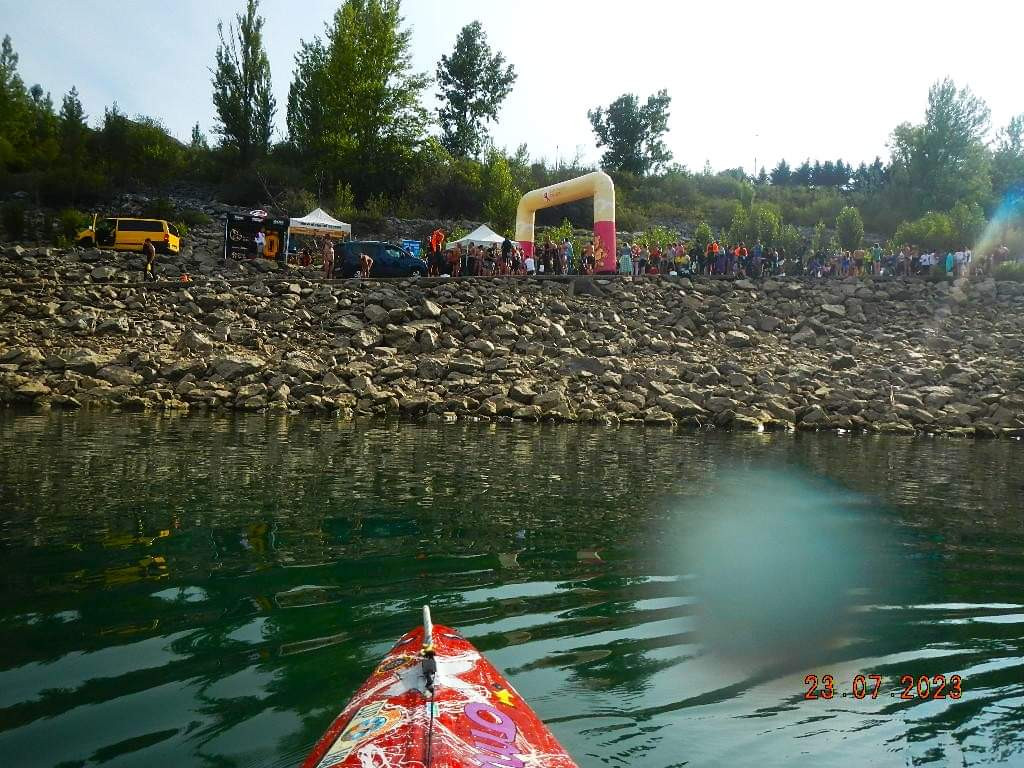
74 133
765 224
933 231
113 143
781 174
944 160
633 132
354 102
759 222
818 238
702 236
968 222
803 175
473 82
242 87
198 140
850 228
15 120
739 226
790 239
1008 158
501 194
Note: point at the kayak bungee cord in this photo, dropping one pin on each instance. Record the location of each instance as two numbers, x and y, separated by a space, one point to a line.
429 673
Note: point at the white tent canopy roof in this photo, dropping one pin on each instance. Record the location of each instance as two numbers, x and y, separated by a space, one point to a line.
482 235
318 222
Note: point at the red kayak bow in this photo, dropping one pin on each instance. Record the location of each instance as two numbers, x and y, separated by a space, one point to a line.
435 702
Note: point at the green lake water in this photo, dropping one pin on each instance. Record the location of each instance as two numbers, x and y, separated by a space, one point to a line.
209 592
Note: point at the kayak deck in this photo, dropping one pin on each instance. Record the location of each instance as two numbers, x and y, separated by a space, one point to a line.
469 716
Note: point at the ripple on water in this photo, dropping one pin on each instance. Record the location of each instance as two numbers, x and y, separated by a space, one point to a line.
189 591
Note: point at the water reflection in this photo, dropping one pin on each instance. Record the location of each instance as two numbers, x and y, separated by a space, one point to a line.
193 590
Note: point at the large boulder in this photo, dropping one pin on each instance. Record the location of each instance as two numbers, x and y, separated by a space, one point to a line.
677 405
104 274
119 375
233 366
84 361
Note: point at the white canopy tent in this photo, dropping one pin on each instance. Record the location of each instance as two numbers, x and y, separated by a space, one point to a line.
318 222
482 235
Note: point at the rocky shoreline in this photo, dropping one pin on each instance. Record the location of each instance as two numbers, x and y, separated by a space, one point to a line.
895 355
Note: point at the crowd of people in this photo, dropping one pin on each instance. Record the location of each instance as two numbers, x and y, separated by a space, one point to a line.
639 259
508 258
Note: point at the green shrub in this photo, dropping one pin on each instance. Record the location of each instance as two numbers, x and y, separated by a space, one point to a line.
71 222
296 202
1013 271
629 219
14 221
161 208
344 201
378 206
194 219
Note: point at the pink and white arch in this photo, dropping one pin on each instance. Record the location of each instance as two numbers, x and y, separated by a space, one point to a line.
598 185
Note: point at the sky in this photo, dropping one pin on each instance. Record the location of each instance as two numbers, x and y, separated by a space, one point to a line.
785 79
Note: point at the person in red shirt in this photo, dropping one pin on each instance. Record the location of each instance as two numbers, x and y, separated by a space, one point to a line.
437 238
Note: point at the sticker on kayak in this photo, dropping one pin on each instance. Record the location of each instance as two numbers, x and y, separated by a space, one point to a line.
369 722
395 663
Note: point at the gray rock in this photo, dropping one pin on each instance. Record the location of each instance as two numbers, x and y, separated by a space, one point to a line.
31 390
84 361
738 339
814 415
192 341
677 405
368 337
375 313
120 375
805 336
233 366
549 400
103 274
842 362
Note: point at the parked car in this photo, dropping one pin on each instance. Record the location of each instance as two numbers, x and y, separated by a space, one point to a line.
388 260
126 234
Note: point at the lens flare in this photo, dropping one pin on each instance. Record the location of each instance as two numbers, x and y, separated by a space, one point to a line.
1006 227
777 561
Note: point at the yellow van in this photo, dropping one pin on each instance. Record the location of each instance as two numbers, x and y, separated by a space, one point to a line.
130 234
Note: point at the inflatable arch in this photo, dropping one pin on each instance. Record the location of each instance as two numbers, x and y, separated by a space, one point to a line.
597 185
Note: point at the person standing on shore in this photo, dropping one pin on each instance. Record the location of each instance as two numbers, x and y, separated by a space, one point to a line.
436 261
455 261
149 251
261 243
328 254
506 255
626 260
365 265
640 267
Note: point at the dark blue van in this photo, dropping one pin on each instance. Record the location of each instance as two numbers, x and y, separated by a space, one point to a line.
388 260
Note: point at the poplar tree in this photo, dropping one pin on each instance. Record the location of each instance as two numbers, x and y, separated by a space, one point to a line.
354 103
474 81
242 86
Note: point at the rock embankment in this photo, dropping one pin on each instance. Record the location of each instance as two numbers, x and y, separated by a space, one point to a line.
890 355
